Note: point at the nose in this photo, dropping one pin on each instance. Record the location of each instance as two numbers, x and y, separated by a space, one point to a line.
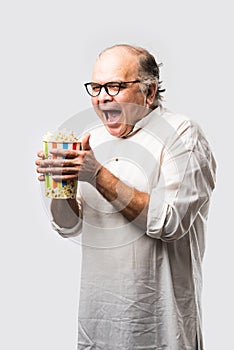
103 97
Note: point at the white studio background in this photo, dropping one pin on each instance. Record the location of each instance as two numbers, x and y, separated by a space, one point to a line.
47 52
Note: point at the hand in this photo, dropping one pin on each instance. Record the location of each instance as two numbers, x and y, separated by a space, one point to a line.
72 164
88 165
39 161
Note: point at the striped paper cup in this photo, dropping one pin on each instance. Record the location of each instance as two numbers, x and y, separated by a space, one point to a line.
64 189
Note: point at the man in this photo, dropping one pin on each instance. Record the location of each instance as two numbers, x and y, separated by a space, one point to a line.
145 180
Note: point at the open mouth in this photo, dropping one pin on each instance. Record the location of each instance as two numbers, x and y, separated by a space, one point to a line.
112 116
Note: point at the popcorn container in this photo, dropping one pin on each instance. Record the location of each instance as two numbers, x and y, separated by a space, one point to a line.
60 189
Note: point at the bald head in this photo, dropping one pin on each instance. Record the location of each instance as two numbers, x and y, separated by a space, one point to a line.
115 63
144 63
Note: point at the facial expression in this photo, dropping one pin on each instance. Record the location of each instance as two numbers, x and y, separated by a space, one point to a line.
119 113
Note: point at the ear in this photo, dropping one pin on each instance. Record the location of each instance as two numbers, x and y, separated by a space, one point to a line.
151 93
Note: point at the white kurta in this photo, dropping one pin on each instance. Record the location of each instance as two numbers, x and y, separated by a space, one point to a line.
141 290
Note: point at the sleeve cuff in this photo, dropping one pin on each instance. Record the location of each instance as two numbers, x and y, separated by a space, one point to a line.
156 221
68 232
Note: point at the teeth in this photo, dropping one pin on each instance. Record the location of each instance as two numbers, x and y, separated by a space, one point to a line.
106 115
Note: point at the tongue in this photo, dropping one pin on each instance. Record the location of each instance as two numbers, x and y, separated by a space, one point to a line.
113 116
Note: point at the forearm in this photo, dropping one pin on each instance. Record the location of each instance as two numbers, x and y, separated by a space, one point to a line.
133 204
65 212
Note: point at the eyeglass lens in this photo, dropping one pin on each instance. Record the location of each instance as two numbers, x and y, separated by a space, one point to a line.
111 89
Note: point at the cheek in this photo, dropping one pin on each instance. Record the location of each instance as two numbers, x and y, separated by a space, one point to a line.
94 101
97 111
136 97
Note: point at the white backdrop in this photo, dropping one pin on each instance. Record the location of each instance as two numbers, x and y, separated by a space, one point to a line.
47 52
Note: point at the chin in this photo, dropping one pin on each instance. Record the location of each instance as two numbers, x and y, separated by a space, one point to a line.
116 131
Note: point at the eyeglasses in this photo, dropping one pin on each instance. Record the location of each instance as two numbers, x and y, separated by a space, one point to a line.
112 88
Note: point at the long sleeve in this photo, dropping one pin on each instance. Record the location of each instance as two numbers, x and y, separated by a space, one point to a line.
183 189
73 231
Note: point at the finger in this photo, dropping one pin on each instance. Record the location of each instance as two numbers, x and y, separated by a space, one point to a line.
58 170
68 154
40 154
62 163
43 163
44 171
60 178
85 142
41 178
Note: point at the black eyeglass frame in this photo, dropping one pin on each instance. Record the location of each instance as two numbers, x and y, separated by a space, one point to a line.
119 83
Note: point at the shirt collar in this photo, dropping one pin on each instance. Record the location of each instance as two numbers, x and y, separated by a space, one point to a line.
145 120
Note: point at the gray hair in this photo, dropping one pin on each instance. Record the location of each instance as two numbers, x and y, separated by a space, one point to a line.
148 71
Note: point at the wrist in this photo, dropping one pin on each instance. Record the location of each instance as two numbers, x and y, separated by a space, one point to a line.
93 181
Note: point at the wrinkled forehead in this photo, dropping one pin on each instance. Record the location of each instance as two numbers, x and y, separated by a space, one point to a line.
115 64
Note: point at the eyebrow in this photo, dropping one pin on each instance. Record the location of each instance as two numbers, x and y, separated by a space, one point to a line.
109 81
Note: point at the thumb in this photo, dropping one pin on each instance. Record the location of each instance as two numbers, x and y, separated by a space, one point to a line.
85 142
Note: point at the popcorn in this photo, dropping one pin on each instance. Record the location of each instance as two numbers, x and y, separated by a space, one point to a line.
60 136
67 191
61 139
